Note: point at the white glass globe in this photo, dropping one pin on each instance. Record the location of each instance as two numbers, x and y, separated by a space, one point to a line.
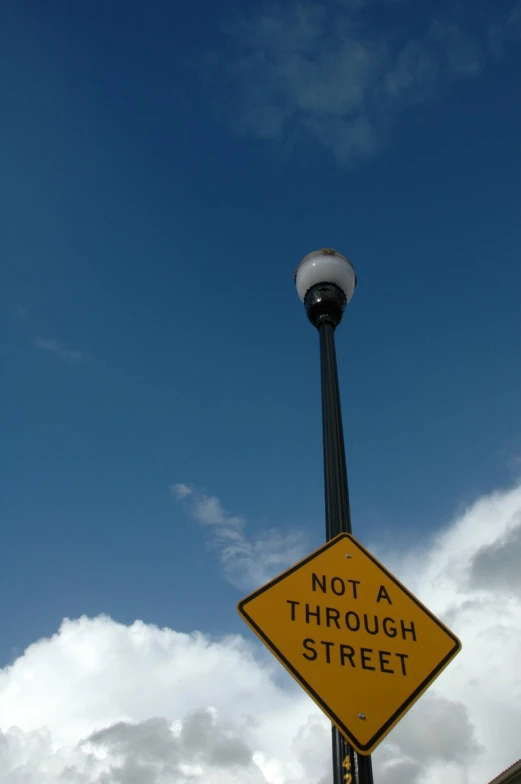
325 266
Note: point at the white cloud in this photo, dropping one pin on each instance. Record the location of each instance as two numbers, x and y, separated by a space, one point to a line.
304 70
59 350
180 490
248 560
208 510
154 704
104 703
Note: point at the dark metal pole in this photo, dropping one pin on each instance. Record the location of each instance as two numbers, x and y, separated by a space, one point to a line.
338 516
325 304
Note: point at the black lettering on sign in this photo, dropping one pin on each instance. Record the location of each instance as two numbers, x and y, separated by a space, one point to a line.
384 661
332 615
347 652
366 624
402 657
389 627
311 654
365 655
363 658
352 621
316 581
382 594
293 605
327 646
313 614
336 585
408 630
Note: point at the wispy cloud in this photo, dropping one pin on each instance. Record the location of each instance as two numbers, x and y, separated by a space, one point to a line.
59 350
248 561
506 31
301 70
180 491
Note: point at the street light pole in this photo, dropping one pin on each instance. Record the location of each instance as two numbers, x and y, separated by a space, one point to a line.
325 282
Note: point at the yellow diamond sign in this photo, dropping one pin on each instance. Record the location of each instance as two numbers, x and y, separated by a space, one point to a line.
361 645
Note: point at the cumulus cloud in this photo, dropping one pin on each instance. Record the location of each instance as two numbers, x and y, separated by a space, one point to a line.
304 70
102 702
498 565
59 350
463 575
248 560
105 703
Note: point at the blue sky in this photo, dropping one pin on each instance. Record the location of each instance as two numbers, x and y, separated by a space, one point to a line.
163 172
142 229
